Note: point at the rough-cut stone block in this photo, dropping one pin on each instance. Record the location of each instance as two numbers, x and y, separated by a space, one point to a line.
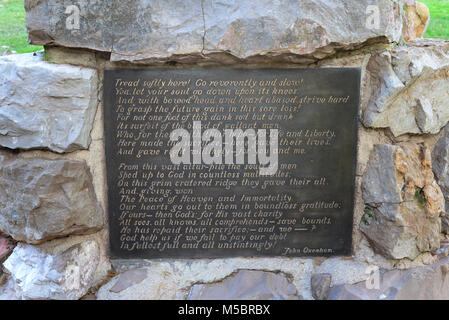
440 164
424 283
44 105
38 274
410 88
379 181
321 283
417 19
42 199
343 270
173 279
403 201
128 279
247 285
185 30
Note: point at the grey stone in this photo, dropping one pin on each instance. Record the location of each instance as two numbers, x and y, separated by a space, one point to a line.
225 31
410 81
440 161
129 278
425 117
443 251
246 285
173 278
423 283
348 292
384 85
42 199
387 235
440 164
36 273
403 201
379 182
321 283
44 105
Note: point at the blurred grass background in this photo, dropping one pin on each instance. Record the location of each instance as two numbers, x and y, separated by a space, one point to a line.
439 19
13 34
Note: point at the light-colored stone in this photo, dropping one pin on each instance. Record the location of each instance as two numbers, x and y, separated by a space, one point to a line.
417 19
172 279
43 199
440 164
365 252
247 285
225 31
424 283
343 270
44 105
7 291
321 283
102 272
403 201
37 274
425 117
410 88
94 157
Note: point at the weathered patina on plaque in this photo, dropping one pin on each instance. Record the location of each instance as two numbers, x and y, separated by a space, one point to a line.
158 209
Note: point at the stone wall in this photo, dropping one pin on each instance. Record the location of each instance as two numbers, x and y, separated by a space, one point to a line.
53 210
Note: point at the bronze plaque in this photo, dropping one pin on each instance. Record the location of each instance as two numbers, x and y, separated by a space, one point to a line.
175 190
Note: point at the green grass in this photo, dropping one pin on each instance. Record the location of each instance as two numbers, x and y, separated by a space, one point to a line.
439 19
13 33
